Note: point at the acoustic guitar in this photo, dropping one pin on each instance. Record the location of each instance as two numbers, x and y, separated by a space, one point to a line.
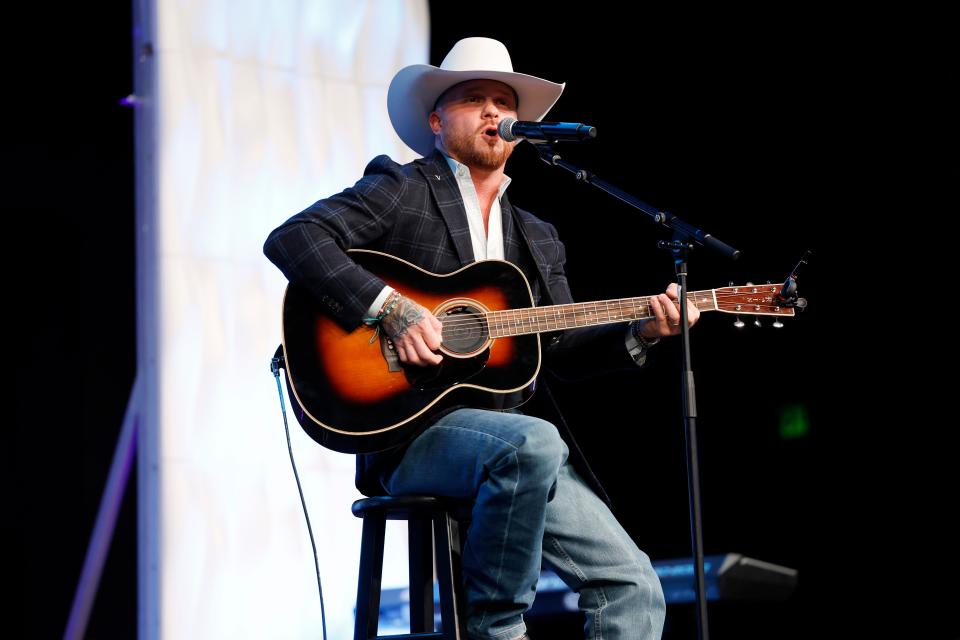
352 393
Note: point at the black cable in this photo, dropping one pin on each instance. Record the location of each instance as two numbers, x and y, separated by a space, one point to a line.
275 369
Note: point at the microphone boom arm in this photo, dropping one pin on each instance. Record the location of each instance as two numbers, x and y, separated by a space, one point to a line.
682 230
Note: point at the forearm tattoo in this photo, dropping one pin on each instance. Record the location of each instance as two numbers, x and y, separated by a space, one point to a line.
406 314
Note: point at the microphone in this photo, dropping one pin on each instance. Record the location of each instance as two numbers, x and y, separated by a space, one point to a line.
511 129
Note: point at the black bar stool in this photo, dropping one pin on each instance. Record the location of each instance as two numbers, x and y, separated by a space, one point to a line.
446 516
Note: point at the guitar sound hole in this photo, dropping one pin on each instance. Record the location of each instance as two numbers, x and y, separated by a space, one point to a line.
464 329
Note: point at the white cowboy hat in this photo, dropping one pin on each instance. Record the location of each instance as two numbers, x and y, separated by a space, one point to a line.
414 90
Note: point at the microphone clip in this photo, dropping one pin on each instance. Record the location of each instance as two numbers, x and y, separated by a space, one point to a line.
788 294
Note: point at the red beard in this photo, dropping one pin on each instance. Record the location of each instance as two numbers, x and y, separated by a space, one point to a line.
473 150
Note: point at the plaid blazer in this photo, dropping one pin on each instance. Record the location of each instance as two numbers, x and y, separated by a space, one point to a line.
415 212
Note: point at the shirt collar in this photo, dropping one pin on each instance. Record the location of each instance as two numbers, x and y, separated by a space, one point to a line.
462 171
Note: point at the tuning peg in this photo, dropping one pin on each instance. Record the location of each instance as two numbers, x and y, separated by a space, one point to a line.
777 324
756 322
738 323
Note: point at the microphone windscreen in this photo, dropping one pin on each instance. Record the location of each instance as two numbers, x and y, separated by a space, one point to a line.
504 129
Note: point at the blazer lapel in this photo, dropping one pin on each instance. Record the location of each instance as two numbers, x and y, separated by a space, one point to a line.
512 242
519 250
446 194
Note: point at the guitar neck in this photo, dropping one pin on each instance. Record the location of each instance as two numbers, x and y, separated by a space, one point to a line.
514 322
751 300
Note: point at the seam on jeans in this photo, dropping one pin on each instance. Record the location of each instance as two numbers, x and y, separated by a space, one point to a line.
598 613
506 531
566 556
521 627
602 600
475 431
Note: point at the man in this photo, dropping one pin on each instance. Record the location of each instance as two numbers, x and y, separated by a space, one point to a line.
440 213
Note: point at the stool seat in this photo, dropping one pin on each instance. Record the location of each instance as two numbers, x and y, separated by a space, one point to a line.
401 507
434 543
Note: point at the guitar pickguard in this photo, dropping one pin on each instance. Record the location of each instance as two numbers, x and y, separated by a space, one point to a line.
449 372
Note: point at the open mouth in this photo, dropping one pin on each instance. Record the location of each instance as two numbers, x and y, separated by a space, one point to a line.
490 131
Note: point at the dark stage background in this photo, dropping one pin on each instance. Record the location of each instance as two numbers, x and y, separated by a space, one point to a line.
778 137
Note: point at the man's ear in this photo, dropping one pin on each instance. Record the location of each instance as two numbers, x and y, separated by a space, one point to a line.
435 123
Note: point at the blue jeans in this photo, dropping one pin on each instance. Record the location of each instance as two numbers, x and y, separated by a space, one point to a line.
530 504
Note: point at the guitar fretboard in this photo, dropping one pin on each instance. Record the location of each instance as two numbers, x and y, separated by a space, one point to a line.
515 322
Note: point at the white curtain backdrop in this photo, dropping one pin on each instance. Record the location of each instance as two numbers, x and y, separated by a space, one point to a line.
261 109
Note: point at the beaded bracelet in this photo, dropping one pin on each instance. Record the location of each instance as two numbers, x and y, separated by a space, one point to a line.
385 309
388 305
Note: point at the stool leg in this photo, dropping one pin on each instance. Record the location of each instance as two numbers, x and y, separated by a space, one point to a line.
420 538
371 571
446 534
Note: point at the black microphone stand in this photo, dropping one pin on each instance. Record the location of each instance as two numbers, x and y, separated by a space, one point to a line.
684 237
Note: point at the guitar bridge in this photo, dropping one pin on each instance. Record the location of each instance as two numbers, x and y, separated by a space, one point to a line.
389 353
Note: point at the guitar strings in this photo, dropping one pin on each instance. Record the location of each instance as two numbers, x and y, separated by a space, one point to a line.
543 325
504 317
568 313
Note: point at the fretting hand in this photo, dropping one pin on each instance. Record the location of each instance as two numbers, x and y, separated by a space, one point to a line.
666 315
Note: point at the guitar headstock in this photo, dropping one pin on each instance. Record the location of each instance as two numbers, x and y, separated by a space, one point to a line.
752 299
